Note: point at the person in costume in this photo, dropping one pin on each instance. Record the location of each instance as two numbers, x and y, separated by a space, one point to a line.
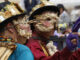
45 21
50 44
12 31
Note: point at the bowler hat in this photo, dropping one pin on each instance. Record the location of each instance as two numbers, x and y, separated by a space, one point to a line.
39 11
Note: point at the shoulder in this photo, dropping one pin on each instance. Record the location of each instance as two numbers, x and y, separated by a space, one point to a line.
24 52
33 44
21 48
21 53
65 13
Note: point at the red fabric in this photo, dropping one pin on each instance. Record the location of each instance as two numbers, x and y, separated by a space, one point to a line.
75 55
38 53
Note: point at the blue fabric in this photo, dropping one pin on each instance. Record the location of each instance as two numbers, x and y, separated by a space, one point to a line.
76 26
21 53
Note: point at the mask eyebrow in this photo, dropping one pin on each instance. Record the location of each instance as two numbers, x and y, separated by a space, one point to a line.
48 15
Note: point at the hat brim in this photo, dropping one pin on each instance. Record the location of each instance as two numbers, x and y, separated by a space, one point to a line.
43 9
6 21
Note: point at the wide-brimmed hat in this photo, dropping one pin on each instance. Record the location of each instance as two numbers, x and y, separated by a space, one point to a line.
9 11
39 11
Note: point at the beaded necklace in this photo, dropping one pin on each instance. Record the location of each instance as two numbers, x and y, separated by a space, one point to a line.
7 42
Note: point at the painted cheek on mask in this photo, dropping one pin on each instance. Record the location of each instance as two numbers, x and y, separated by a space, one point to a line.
46 23
25 27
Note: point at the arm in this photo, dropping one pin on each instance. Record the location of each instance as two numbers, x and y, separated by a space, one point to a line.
60 55
75 55
39 54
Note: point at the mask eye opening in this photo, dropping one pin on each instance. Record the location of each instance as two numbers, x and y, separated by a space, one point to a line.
48 19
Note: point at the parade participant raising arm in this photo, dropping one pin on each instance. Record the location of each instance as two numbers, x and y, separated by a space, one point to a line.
75 28
45 21
10 49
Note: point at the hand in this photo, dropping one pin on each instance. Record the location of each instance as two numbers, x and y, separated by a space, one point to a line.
72 41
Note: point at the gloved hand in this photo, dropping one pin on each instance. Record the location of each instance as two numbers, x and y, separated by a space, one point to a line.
72 41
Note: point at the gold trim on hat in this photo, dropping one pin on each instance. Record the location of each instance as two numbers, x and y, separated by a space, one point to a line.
10 10
1 17
42 4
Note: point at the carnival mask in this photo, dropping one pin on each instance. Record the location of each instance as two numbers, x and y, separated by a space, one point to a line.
46 21
22 27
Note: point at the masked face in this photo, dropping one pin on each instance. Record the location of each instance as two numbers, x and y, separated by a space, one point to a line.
22 27
46 21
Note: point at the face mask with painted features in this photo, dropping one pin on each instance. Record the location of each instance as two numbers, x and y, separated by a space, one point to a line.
46 21
22 27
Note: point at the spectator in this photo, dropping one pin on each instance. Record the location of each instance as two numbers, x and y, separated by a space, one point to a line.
64 16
